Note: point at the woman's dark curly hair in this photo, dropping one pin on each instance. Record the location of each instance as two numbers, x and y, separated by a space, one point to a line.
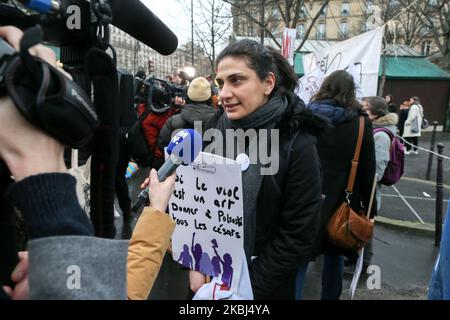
262 60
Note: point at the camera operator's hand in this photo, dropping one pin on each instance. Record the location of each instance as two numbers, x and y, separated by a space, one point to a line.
159 192
26 149
178 101
13 35
21 290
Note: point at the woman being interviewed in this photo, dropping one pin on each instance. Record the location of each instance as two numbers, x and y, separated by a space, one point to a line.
281 210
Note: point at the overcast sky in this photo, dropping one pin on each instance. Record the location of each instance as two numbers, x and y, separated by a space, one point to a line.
171 12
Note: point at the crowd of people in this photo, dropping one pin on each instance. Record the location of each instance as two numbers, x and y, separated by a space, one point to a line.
285 214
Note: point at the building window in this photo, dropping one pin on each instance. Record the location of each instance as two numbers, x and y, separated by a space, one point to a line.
321 31
323 13
301 31
426 48
369 5
276 14
345 9
365 26
302 14
426 29
343 30
433 2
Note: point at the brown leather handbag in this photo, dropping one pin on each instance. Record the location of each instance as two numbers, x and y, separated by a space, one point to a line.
348 229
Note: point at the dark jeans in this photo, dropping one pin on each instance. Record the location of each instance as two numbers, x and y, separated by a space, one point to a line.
414 141
332 274
122 193
300 280
121 185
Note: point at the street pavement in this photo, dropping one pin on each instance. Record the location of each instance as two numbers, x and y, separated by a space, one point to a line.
404 256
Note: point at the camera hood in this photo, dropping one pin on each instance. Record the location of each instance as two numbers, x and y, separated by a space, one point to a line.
52 102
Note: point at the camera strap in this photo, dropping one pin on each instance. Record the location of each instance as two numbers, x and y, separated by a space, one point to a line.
101 69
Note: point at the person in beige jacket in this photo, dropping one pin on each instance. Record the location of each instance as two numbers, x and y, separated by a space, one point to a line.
416 110
149 242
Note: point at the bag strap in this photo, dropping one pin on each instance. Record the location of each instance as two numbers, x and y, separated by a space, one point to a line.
419 106
144 115
352 176
74 159
389 133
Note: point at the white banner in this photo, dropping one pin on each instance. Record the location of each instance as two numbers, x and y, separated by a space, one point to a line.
360 56
208 209
288 45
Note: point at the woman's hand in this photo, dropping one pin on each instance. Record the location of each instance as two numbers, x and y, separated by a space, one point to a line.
21 290
196 280
159 192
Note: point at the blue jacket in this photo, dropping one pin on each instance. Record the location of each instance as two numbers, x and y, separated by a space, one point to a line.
439 288
332 112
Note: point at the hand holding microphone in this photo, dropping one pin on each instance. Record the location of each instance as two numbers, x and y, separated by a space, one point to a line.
183 149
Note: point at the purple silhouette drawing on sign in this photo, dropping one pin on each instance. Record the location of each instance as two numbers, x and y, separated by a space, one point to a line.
185 257
205 264
197 252
227 274
215 262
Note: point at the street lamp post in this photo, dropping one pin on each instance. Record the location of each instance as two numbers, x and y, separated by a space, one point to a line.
192 32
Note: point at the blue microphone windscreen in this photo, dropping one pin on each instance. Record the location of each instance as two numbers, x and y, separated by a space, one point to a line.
186 145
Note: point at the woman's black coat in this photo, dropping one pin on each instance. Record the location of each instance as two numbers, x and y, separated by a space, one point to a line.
336 150
288 209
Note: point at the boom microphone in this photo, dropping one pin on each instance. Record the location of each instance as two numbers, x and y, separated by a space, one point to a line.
131 16
134 18
183 149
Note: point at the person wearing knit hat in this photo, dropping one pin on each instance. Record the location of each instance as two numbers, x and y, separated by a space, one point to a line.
199 90
197 108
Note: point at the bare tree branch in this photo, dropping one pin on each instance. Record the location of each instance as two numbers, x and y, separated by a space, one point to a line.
325 3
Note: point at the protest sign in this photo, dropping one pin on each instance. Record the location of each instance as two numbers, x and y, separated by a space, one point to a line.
288 45
360 56
208 209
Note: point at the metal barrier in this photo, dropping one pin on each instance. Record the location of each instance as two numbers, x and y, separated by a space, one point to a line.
430 157
439 196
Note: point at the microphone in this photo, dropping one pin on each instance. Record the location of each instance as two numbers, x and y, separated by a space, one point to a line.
183 149
131 16
42 6
140 23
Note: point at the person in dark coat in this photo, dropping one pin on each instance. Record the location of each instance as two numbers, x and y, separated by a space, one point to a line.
197 108
402 116
390 102
336 103
282 210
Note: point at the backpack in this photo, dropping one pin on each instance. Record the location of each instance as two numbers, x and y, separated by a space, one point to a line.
394 169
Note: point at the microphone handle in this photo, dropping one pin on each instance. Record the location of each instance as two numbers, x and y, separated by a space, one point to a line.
165 171
169 166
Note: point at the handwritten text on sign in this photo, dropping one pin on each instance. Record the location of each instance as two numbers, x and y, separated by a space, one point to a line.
208 209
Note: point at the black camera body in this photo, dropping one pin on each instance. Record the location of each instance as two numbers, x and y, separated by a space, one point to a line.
73 27
158 94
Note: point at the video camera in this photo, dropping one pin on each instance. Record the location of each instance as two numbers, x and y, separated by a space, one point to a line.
158 94
64 108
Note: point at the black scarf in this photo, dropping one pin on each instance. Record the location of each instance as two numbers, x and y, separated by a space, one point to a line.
266 117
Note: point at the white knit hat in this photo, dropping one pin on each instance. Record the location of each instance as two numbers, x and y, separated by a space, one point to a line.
199 90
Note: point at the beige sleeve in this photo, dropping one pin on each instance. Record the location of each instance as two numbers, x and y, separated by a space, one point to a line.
146 250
